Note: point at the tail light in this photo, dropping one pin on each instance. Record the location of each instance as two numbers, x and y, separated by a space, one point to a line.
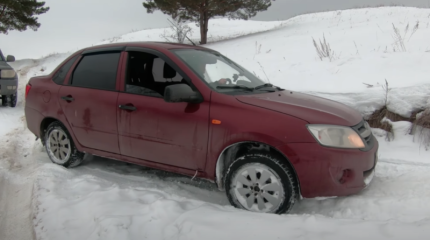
27 89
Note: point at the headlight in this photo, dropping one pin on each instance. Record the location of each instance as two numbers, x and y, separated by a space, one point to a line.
7 73
336 136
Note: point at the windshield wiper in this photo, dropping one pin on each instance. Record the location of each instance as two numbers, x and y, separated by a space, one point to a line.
268 85
236 87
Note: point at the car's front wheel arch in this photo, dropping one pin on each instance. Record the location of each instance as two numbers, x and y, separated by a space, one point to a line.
232 152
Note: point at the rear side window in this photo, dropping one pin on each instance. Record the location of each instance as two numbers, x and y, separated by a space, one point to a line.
61 74
97 71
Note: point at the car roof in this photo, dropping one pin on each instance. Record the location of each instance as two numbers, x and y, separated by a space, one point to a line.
151 45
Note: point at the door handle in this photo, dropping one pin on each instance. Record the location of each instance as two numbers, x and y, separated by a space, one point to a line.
68 98
128 107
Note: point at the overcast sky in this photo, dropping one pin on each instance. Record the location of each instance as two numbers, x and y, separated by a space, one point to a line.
73 24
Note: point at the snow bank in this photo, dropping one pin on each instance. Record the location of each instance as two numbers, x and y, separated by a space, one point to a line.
219 29
28 68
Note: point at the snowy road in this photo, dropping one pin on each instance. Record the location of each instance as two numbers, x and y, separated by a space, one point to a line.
16 179
15 210
105 199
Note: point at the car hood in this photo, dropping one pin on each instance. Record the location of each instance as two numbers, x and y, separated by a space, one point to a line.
4 65
315 110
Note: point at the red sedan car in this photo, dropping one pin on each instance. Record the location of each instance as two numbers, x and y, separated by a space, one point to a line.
192 111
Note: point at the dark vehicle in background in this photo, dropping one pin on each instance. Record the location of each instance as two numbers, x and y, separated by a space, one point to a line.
192 111
8 81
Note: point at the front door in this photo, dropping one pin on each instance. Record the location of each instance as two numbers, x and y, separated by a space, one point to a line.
89 102
149 128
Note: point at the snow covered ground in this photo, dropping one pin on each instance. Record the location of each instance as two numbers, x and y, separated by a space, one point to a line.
104 199
362 40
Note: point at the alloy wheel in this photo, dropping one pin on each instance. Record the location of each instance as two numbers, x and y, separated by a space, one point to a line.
58 145
257 188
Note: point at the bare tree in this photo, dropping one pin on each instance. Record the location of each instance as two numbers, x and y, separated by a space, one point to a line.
178 31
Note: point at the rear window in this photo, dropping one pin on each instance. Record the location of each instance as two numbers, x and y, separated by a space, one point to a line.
61 74
97 71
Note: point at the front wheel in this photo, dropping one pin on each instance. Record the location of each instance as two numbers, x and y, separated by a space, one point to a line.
60 147
260 183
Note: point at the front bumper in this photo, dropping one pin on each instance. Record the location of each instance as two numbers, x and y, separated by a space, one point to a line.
8 87
329 172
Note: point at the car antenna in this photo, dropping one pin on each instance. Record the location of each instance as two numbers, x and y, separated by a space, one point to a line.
190 40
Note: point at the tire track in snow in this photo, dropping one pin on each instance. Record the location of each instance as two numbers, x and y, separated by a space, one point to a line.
15 210
16 172
16 188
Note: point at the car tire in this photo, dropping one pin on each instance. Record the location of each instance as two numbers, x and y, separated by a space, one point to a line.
60 146
13 100
4 100
260 182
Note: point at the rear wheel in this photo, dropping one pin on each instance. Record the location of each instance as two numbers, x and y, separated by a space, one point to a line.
260 183
60 147
13 99
4 100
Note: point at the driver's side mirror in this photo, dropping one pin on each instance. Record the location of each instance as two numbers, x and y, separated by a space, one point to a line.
181 93
10 58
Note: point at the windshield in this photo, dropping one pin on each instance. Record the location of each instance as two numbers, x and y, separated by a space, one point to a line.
219 72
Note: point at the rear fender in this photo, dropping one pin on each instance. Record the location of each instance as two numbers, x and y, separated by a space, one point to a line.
48 120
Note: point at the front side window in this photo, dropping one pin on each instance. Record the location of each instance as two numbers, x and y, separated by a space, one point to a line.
97 71
149 75
62 72
219 72
1 57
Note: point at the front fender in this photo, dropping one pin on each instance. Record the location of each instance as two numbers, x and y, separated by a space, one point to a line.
238 122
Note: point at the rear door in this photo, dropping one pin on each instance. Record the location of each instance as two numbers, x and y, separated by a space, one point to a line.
89 101
149 128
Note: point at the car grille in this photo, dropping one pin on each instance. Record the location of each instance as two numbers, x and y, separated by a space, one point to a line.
363 129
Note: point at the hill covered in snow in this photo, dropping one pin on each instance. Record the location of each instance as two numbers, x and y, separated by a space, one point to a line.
366 52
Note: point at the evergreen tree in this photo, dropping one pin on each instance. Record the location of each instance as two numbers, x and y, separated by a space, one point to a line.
200 11
20 14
